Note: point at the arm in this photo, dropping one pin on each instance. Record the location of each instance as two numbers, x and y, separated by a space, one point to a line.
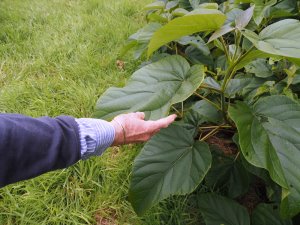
30 147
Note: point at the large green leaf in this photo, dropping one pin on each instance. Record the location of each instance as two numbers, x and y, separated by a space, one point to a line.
269 137
172 162
280 38
267 214
220 210
196 21
152 89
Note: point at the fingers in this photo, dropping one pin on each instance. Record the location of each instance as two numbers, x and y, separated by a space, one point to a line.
162 123
137 129
140 115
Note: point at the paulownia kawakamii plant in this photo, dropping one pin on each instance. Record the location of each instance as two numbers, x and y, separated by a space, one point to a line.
230 71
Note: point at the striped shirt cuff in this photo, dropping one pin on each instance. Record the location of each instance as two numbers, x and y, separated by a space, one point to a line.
95 136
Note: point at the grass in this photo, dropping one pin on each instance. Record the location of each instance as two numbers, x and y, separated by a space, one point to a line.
57 57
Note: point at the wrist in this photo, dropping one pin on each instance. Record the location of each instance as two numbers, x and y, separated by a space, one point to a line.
119 133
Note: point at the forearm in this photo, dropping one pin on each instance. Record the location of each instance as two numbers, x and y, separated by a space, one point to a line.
32 146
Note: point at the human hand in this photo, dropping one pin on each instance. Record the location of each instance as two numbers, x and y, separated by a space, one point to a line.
132 128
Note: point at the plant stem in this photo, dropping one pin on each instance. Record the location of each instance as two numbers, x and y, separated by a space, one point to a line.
210 88
237 44
169 47
223 109
236 157
211 73
232 69
209 101
225 49
212 127
211 133
229 75
181 115
182 109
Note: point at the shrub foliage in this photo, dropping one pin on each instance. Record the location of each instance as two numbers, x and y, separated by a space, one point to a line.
230 71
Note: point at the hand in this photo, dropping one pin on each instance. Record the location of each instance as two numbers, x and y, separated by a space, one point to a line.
132 128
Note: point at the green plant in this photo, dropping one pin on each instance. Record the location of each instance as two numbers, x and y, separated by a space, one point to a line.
230 71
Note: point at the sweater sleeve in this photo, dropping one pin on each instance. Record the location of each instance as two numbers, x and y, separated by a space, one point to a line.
32 146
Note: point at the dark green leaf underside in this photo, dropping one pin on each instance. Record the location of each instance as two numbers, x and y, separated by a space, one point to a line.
269 136
170 163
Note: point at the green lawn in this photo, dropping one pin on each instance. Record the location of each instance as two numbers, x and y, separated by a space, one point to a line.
57 57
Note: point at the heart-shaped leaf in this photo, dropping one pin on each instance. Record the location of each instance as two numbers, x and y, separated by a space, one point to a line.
269 135
280 38
152 89
172 162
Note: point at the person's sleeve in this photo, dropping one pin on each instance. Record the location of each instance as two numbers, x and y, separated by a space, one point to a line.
32 146
95 136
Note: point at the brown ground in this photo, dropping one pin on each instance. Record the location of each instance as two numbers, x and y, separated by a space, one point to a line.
109 219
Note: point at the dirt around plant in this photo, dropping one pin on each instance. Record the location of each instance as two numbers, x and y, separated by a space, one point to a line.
223 141
108 219
256 194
